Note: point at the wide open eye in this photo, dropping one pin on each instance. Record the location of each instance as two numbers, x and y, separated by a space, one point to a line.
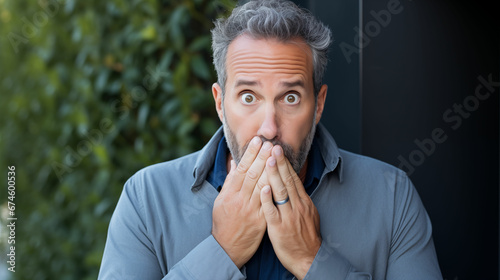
248 98
291 98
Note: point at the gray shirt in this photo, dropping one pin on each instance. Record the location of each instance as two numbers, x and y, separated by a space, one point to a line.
373 223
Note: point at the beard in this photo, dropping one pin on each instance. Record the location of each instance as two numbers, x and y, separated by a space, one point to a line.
297 160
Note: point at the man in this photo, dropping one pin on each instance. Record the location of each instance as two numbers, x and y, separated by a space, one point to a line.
270 196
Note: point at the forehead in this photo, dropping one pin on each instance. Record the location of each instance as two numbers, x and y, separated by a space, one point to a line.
248 56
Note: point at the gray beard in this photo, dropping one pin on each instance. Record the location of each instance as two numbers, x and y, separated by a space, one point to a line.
297 160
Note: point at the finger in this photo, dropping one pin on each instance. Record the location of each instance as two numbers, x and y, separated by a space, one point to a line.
299 186
271 213
245 163
263 181
255 171
285 173
278 188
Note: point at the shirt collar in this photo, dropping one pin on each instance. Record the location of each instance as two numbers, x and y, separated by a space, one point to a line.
315 165
329 150
205 160
218 174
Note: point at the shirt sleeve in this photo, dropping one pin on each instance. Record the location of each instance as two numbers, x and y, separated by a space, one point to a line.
208 260
130 254
412 254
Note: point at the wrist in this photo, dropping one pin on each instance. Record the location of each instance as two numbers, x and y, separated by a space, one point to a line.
234 256
239 262
305 264
303 268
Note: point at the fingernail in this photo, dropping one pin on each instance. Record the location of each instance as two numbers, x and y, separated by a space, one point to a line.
272 161
279 151
267 146
266 189
256 140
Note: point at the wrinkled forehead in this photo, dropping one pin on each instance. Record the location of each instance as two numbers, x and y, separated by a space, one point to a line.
248 55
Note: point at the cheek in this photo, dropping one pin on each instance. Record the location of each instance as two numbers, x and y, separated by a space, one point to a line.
295 130
242 124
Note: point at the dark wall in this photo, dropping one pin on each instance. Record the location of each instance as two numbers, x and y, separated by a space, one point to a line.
421 111
409 98
343 77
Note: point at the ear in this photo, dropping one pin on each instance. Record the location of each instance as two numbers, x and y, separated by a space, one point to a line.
217 93
321 102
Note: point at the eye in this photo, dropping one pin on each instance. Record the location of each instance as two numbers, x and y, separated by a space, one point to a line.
292 98
247 98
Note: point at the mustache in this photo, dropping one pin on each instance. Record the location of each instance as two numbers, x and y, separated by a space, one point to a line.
287 149
273 141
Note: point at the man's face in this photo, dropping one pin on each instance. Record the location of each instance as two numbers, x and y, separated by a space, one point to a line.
269 93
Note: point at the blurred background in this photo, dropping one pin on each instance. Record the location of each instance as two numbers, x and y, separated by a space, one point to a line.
92 91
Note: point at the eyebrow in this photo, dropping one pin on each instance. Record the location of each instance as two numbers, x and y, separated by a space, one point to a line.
246 83
299 83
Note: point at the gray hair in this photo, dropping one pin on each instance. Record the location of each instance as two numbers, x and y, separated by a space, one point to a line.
281 20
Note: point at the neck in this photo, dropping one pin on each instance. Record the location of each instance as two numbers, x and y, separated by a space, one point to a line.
303 172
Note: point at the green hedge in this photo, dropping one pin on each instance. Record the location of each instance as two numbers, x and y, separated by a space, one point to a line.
92 91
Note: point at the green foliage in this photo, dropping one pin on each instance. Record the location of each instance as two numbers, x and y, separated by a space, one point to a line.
92 91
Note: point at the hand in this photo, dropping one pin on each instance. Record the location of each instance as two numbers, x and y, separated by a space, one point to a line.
293 227
238 223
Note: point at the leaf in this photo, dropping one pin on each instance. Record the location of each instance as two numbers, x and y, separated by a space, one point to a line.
142 116
200 68
175 27
200 43
101 154
148 32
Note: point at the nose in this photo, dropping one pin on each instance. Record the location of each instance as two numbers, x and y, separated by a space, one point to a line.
269 128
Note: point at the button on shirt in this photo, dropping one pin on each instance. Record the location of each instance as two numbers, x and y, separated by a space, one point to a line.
265 264
372 223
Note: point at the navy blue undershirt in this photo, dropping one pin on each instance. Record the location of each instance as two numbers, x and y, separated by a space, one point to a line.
264 264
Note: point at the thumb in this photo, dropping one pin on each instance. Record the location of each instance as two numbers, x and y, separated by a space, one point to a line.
271 213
